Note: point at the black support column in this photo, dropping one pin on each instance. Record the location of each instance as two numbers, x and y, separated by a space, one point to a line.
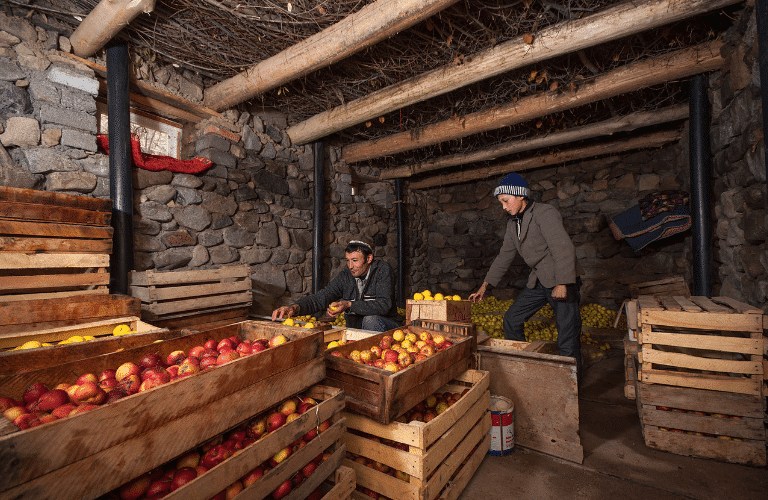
700 171
317 231
400 243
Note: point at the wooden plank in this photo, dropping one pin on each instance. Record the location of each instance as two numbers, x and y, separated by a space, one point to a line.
53 281
48 213
100 291
739 306
54 245
344 484
703 321
205 320
198 303
669 303
751 453
719 425
14 315
544 390
154 278
704 342
17 228
20 195
157 294
702 400
708 305
647 302
458 482
685 304
740 385
10 260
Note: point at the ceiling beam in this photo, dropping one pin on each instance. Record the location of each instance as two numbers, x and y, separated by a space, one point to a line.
607 127
104 22
619 21
628 78
654 140
372 24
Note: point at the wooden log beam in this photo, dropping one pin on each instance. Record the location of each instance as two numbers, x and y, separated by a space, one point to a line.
631 77
613 23
653 140
104 22
370 25
607 127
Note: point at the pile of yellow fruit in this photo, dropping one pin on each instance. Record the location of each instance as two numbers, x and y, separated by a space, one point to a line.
597 316
308 320
427 295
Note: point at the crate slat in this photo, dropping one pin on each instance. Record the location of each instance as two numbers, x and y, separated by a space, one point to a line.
54 245
709 342
155 278
51 213
54 281
12 260
50 230
20 195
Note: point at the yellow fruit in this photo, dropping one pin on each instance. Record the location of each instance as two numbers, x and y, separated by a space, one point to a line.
309 325
89 337
333 344
32 344
427 294
289 322
47 344
77 338
121 330
456 297
438 296
418 296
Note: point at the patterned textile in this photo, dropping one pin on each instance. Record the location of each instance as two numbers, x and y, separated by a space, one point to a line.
638 232
654 204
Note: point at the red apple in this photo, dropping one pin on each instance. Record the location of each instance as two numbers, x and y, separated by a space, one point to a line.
404 360
158 487
308 469
379 363
108 373
63 411
232 490
130 384
275 421
136 488
288 407
303 407
89 392
389 356
258 347
201 469
108 383
14 411
173 371
6 402
376 350
196 352
150 360
225 343
43 419
227 356
216 455
427 350
282 490
277 340
280 456
208 362
211 344
323 426
244 349
419 357
87 377
33 392
127 369
175 358
52 400
256 428
83 408
253 476
424 336
157 372
25 420
149 383
182 476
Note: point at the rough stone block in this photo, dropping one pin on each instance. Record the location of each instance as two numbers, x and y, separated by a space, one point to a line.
214 141
219 157
194 217
79 139
68 118
78 182
21 131
70 78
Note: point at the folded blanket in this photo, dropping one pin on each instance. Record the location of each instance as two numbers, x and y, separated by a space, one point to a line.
638 233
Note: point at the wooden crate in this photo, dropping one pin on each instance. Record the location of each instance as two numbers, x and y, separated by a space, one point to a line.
192 298
330 404
53 244
545 392
441 310
675 285
455 328
710 424
631 348
439 456
27 316
346 334
14 361
383 395
100 447
715 344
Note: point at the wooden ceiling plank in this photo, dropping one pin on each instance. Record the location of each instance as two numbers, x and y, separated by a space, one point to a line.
631 77
372 24
607 127
613 23
653 140
104 22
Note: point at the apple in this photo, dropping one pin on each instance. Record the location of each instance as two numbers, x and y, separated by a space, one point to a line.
385 342
43 419
108 383
227 356
441 407
196 352
149 383
233 445
308 469
150 360
253 476
83 408
244 349
108 373
288 407
258 347
282 490
411 337
419 357
427 350
87 377
136 488
216 440
431 401
438 339
379 363
277 340
115 394
256 428
175 358
216 455
51 400
303 407
402 476
280 456
208 362
33 392
338 354
424 336
63 411
275 421
89 392
404 360
156 372
429 415
189 459
211 344
127 369
25 420
130 384
173 371
182 476
398 335
445 344
13 412
233 489
201 469
376 351
158 487
225 343
323 426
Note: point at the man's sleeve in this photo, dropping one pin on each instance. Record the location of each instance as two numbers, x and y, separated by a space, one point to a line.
320 301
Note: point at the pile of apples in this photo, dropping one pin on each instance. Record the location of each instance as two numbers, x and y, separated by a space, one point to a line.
39 404
399 351
163 480
434 405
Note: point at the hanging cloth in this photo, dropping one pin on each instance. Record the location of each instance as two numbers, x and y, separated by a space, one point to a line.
156 163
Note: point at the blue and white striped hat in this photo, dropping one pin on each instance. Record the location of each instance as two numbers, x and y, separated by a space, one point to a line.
512 184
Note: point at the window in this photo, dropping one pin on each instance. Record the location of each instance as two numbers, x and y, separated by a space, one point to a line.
157 136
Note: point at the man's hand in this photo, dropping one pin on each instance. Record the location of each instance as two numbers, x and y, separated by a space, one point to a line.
478 296
284 311
560 292
337 308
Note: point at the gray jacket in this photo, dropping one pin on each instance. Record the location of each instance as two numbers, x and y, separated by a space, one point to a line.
544 245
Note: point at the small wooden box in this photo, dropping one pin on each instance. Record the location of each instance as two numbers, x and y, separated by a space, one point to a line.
441 310
710 424
439 456
383 395
100 447
186 299
715 344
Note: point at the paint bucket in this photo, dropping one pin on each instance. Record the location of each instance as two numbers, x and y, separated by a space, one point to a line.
502 426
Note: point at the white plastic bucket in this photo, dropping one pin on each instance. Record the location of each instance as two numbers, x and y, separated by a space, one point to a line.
502 426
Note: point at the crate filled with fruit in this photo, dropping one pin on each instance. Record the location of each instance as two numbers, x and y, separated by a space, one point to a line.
287 451
388 373
91 418
430 451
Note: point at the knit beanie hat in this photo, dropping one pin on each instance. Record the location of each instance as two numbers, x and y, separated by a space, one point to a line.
512 184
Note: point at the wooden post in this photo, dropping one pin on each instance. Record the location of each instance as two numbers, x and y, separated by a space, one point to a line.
680 64
569 36
104 22
373 23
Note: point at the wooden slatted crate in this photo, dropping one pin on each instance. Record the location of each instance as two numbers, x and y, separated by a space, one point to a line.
100 447
453 327
441 310
383 395
438 457
53 244
675 285
200 298
697 342
341 485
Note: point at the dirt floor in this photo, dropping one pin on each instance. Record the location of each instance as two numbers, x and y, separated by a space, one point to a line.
617 464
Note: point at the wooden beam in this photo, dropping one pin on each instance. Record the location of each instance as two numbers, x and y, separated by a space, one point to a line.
653 140
613 23
607 127
631 77
372 24
104 22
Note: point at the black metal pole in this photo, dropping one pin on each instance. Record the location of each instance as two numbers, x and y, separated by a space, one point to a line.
317 233
700 171
761 15
400 245
120 183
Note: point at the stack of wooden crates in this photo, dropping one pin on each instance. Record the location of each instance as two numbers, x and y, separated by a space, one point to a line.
698 370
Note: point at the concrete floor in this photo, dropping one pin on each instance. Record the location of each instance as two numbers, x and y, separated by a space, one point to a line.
617 464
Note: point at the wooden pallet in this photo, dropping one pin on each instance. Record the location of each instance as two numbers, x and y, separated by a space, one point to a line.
710 424
100 447
192 296
675 285
439 457
441 310
382 395
53 245
715 344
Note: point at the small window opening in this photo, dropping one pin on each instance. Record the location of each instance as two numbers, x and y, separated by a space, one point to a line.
157 136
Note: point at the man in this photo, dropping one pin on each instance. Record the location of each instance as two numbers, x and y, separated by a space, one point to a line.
536 232
363 291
